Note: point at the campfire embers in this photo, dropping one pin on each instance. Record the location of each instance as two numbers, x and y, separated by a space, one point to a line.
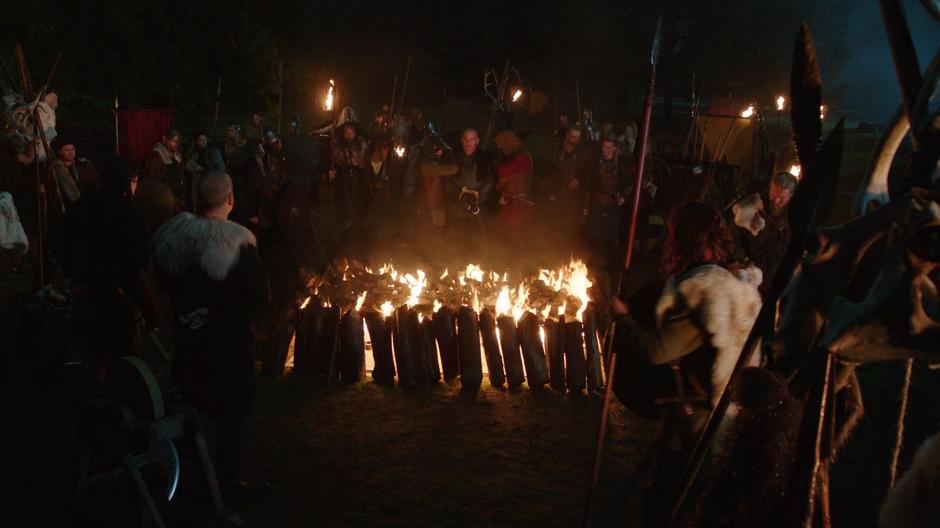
461 325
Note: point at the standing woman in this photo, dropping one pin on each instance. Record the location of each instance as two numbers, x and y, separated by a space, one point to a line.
514 185
685 350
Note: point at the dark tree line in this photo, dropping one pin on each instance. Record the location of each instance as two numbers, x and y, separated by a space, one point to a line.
171 53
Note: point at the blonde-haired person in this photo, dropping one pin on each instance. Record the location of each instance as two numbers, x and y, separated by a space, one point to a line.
514 185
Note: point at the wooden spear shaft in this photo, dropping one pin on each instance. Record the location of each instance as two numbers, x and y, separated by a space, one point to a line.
627 261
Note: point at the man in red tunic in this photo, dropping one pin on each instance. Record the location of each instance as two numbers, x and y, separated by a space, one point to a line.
514 183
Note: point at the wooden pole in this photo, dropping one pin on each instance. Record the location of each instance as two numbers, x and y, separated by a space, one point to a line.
577 94
215 114
902 412
117 128
404 85
280 94
627 261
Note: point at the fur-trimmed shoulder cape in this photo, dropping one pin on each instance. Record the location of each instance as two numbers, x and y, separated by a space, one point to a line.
212 245
726 305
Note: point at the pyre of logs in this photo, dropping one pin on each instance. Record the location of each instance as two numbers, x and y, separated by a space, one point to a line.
419 345
418 349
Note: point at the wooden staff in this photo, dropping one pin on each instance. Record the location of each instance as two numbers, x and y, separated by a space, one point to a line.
899 436
280 95
627 261
117 128
404 85
716 157
577 94
215 114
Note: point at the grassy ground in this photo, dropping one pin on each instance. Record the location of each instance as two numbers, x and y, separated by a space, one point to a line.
365 455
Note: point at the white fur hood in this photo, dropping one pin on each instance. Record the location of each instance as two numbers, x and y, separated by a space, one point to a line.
212 245
726 304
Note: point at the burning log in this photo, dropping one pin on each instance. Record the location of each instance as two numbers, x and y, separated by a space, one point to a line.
309 316
420 348
352 359
494 362
380 333
430 350
446 337
533 354
325 341
555 350
468 347
278 346
405 347
595 378
575 364
509 343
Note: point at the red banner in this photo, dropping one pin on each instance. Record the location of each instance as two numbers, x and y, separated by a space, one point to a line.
141 130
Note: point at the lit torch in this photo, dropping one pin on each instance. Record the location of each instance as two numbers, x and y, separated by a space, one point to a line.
328 102
795 171
748 112
781 102
516 95
822 111
400 152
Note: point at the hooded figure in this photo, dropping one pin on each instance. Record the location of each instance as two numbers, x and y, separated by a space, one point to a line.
211 269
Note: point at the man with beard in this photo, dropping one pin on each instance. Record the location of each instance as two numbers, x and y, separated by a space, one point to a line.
213 274
470 188
271 176
766 247
165 164
74 175
254 130
603 200
204 158
437 164
233 149
242 165
567 169
350 176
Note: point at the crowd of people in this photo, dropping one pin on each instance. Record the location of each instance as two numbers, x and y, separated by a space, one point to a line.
215 226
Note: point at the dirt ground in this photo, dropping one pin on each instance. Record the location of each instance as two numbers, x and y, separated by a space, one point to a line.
365 455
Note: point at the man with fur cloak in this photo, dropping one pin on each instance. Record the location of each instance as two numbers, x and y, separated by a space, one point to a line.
213 273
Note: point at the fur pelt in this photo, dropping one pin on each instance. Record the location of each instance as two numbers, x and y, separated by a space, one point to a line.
726 305
12 236
168 157
211 245
915 500
747 484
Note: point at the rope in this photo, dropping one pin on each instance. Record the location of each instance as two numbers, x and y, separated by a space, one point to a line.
899 439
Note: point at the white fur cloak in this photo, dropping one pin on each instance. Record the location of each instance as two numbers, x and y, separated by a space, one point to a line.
726 305
12 236
187 240
915 500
